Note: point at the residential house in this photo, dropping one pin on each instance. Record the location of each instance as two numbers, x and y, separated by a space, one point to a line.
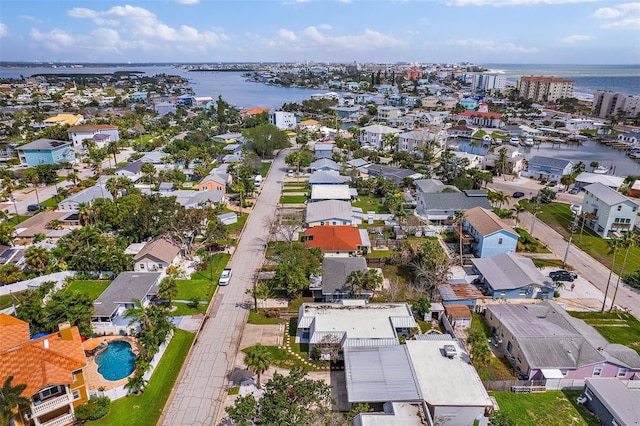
109 308
329 212
331 177
39 224
283 120
394 413
460 131
331 285
396 174
507 276
480 118
353 322
491 235
324 164
229 138
516 161
196 199
612 401
543 338
415 140
215 181
157 255
473 160
386 113
548 169
330 192
323 150
434 372
6 151
249 112
441 207
310 125
374 135
51 367
77 134
632 138
164 108
460 293
63 119
432 185
340 241
133 170
459 315
86 196
585 178
45 151
607 211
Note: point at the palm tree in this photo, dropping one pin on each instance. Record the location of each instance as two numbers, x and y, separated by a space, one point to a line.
459 220
258 360
168 288
9 187
138 314
629 239
112 187
501 164
37 257
32 176
614 244
578 168
113 148
567 180
363 280
517 209
10 398
73 176
136 383
594 165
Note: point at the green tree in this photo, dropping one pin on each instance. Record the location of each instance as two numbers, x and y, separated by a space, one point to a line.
11 273
567 180
168 288
31 176
10 398
37 258
258 359
361 280
7 233
578 168
594 165
136 383
422 306
629 239
266 138
296 264
501 164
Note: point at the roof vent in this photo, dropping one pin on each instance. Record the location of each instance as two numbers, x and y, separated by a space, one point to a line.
46 343
450 351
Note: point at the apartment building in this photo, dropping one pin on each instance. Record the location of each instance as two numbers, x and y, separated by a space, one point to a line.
545 89
607 104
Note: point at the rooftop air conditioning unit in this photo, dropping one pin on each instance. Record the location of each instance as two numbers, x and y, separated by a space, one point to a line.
450 351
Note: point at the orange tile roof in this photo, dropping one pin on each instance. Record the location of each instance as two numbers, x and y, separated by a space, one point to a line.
37 366
13 331
308 123
334 238
254 111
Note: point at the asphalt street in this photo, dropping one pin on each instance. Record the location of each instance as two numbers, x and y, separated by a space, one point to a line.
198 396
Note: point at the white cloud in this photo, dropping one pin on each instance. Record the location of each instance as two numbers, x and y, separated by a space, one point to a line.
622 16
82 12
576 38
56 39
325 27
287 35
490 46
514 2
31 18
4 30
188 1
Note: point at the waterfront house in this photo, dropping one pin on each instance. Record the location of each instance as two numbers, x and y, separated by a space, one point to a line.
77 134
283 120
611 400
310 125
414 140
337 240
45 151
516 161
507 276
480 118
157 255
51 367
491 236
329 212
632 138
109 308
541 339
441 207
585 178
548 169
374 135
607 211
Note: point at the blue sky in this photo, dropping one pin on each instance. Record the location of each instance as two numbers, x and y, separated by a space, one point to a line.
480 31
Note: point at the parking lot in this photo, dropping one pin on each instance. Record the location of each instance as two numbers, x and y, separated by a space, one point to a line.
583 296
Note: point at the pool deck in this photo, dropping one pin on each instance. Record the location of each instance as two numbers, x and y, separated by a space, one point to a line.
94 380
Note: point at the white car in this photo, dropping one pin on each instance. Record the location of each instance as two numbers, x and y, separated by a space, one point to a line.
225 277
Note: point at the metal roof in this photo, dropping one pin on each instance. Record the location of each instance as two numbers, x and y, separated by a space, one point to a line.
618 397
606 194
329 209
380 374
507 271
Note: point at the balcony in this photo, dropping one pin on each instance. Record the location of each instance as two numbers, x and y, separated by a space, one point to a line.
50 404
63 420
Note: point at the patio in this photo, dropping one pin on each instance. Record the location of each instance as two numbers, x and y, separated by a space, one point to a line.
93 379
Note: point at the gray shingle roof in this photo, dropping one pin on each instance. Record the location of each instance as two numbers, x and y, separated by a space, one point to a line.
126 287
87 195
335 271
507 271
324 163
620 400
555 163
327 177
452 201
44 144
329 209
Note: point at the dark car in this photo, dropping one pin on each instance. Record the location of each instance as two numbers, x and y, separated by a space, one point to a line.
35 207
563 275
518 194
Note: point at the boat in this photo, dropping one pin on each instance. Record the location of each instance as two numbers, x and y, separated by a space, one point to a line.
601 170
514 141
487 140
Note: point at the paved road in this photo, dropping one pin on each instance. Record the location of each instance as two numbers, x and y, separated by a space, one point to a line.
197 397
588 268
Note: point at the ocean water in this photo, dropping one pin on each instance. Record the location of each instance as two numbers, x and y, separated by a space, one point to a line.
588 78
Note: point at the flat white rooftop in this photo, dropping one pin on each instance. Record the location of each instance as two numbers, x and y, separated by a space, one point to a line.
395 414
444 381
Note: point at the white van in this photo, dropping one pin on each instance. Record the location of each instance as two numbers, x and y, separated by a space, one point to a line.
257 180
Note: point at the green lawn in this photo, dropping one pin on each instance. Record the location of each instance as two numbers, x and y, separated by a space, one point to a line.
370 203
548 408
301 183
51 202
559 215
495 368
146 408
183 309
219 262
5 301
293 199
264 168
528 244
17 219
92 288
201 289
237 227
295 189
260 318
616 327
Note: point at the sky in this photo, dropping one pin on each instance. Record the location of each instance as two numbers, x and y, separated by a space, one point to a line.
388 31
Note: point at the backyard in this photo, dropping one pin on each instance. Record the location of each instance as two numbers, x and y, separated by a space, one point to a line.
370 203
293 199
615 326
146 408
495 368
559 216
92 288
548 408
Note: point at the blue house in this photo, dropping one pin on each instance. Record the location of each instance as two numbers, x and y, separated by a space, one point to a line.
139 96
507 276
548 169
46 151
491 236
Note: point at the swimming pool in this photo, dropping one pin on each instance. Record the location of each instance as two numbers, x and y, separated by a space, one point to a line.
117 361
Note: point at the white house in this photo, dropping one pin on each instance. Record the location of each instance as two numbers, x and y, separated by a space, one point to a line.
374 135
606 211
329 212
77 134
283 120
156 255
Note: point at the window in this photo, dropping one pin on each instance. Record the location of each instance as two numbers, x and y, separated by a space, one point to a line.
73 377
76 394
622 372
142 266
499 241
509 346
597 371
49 391
619 208
523 292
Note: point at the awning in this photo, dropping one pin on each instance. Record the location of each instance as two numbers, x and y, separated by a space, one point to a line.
91 344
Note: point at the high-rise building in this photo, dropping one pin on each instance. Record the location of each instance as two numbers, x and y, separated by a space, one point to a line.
607 104
545 89
482 82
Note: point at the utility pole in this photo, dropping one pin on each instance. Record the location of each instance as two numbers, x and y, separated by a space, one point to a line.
535 214
572 229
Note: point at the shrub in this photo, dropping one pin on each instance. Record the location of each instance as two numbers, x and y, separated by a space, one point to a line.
315 354
93 409
272 313
194 302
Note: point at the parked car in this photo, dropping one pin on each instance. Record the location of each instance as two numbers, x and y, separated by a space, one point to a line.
290 173
518 194
562 275
35 207
574 190
225 277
